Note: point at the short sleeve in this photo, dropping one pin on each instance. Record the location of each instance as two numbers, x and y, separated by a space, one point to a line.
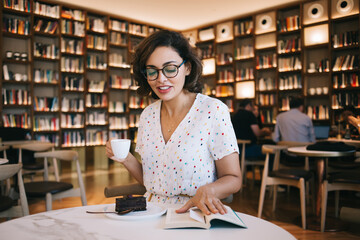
222 140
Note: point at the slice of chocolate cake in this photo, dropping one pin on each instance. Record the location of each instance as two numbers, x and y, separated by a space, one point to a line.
130 203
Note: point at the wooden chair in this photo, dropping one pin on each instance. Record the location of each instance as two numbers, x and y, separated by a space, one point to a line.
246 162
336 181
35 146
53 190
7 190
290 177
6 203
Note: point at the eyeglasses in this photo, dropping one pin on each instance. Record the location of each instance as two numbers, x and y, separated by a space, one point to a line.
169 71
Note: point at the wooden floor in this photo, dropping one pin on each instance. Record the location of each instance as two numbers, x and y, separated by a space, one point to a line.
287 214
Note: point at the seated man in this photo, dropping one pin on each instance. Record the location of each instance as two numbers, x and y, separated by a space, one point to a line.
246 127
294 126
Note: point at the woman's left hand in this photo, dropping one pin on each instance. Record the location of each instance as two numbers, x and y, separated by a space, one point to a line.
206 200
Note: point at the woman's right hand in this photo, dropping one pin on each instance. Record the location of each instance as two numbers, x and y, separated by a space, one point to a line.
110 154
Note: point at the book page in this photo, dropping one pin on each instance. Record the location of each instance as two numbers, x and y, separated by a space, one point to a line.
230 217
183 220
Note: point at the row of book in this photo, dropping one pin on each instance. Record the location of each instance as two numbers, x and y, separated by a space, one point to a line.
224 58
290 23
289 64
71 83
96 62
48 137
266 84
117 107
46 104
9 75
46 50
118 38
72 104
244 74
16 97
96 86
322 66
340 100
266 61
19 5
118 123
134 120
96 42
46 124
46 76
348 62
16 26
289 45
46 10
206 51
346 80
119 134
72 120
116 81
242 28
267 116
226 76
96 137
244 52
95 24
118 25
266 99
137 102
72 46
73 139
16 120
118 60
96 118
345 39
96 100
72 28
320 112
72 65
224 91
77 15
290 82
46 26
137 29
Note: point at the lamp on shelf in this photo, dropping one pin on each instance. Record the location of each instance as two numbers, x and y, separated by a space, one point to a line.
316 35
245 89
208 66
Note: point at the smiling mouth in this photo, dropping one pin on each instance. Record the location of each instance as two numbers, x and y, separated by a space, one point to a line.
164 88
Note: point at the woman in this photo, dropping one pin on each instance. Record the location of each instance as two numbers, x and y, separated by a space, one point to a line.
186 140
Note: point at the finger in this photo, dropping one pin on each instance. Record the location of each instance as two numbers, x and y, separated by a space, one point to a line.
212 207
220 206
189 204
204 208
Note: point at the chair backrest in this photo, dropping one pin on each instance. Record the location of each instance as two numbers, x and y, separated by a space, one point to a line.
272 149
297 144
35 146
64 155
3 149
9 170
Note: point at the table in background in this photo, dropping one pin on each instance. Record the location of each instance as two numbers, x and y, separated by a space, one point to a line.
314 223
75 223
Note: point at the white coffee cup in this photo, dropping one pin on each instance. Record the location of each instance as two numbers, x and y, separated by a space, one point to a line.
120 147
318 90
325 90
312 91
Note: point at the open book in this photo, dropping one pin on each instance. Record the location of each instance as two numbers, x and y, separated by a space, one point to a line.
194 218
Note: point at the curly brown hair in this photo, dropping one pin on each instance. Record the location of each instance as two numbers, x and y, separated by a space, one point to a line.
176 41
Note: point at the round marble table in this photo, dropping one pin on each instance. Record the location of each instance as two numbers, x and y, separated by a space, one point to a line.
75 223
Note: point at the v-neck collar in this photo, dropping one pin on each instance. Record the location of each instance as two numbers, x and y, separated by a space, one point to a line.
181 122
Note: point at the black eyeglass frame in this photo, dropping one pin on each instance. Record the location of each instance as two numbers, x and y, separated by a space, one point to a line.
162 70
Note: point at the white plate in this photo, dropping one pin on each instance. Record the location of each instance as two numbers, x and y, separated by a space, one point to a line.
151 211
